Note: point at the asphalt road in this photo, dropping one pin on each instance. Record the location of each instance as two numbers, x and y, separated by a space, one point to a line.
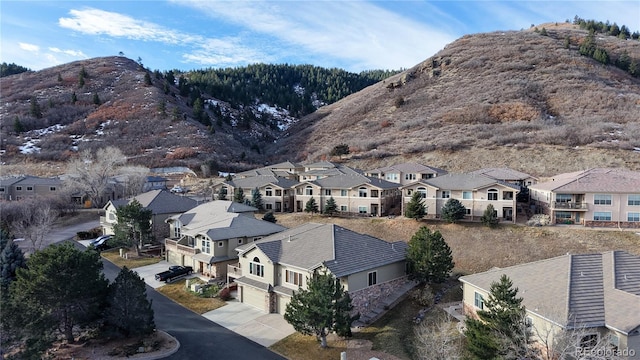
198 336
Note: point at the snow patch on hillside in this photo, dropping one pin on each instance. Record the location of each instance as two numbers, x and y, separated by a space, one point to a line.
32 138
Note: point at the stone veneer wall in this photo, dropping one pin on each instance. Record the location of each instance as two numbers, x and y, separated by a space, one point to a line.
613 224
369 298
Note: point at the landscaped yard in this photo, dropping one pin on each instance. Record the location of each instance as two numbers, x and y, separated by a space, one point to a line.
132 260
177 292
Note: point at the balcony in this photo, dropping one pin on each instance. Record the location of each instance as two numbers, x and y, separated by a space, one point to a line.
577 206
174 245
234 271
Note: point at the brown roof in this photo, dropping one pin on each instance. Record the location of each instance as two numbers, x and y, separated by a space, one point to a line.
593 180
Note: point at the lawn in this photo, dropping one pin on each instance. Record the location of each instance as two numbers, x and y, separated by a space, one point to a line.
177 292
132 260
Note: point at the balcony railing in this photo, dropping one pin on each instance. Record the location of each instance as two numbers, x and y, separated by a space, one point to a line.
171 244
570 205
234 271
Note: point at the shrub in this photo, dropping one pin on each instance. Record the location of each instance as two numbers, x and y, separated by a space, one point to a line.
539 220
423 296
225 294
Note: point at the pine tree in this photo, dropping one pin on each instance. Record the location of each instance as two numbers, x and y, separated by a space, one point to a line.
222 193
269 217
133 226
59 77
429 257
588 46
11 259
35 110
238 196
311 206
489 217
601 55
256 199
331 208
320 309
96 99
74 98
17 125
129 311
453 210
147 79
416 208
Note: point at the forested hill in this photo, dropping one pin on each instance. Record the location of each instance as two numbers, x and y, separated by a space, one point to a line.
300 89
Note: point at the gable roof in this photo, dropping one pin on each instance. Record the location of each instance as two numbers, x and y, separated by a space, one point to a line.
348 181
260 181
594 180
342 251
577 290
503 173
463 182
161 201
409 167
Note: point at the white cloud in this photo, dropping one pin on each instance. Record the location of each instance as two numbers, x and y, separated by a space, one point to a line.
29 47
74 53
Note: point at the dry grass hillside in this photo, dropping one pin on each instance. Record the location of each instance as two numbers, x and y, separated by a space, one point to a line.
514 98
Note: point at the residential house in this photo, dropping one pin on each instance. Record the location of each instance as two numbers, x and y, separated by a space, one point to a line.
405 173
287 170
596 296
162 203
272 269
353 193
23 187
153 182
277 194
323 169
475 192
206 236
594 197
507 175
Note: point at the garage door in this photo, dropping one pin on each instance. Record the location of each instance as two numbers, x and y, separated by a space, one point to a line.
282 303
174 257
254 297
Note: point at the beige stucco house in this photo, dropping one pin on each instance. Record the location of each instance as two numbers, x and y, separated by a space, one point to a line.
276 192
594 197
272 269
288 170
24 187
596 297
206 237
475 192
507 175
405 173
162 203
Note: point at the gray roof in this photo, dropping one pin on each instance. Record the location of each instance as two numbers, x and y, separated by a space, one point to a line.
10 180
244 226
254 283
409 167
589 290
260 181
173 170
35 180
504 173
593 180
348 181
342 251
164 202
464 182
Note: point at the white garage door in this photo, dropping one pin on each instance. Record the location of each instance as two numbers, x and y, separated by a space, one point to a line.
174 258
254 297
282 303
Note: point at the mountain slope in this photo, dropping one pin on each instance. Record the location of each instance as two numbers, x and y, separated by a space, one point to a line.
517 99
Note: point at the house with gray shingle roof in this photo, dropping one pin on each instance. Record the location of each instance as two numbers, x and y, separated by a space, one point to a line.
595 294
475 192
22 187
405 173
277 194
271 269
595 197
507 175
162 203
287 169
352 192
206 237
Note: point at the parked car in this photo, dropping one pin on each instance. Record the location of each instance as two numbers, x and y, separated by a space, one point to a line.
175 271
101 242
178 189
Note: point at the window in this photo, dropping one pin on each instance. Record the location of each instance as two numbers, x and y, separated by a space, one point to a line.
633 216
176 226
29 188
392 177
427 176
327 192
423 192
206 246
362 209
446 194
293 277
467 195
308 190
373 278
602 199
633 200
268 192
278 192
18 188
563 198
409 191
468 211
343 192
563 215
479 301
409 176
343 208
268 206
240 241
492 194
507 195
1 189
362 192
255 268
374 193
602 216
588 341
220 243
52 188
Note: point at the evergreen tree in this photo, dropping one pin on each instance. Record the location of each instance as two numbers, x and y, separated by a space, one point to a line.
96 99
147 79
601 55
331 208
129 311
81 77
222 193
74 98
34 108
416 208
453 210
489 217
59 77
133 226
60 289
238 196
543 32
339 150
198 109
17 125
11 259
256 199
269 217
320 309
311 206
481 342
567 42
429 257
11 69
588 46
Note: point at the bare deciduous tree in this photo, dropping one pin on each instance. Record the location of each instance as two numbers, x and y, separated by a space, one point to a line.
90 173
135 177
33 222
439 340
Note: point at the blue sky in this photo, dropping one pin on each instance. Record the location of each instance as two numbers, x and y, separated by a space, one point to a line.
195 34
